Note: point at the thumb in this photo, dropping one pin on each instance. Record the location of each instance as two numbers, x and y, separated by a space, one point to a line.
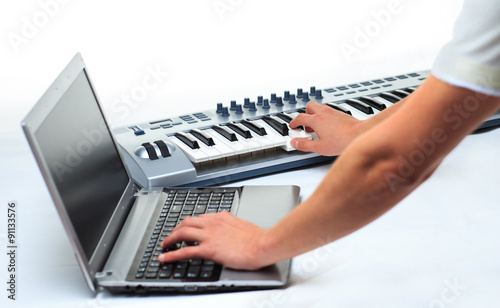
303 144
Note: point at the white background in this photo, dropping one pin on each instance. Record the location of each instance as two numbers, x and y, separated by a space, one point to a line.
445 234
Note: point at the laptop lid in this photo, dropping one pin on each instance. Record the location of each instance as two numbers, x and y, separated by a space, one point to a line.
81 165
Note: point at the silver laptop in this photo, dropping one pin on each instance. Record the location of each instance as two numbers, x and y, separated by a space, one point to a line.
114 225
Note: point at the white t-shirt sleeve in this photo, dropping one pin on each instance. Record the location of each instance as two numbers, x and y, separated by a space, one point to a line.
472 58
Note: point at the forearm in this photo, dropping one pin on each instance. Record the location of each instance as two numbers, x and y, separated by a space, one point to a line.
384 114
370 177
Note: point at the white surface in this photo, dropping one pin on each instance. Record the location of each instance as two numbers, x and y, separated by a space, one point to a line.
444 233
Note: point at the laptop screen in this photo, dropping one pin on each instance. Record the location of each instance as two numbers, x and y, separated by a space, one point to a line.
83 160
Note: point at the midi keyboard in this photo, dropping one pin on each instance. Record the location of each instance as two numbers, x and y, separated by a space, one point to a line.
250 138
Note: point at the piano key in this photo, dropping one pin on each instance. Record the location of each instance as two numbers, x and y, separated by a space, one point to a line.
237 147
390 97
296 133
202 137
277 126
190 142
210 151
249 144
220 146
284 117
263 141
278 139
410 89
194 155
339 108
284 139
254 127
363 107
400 93
225 133
313 134
372 102
352 111
243 132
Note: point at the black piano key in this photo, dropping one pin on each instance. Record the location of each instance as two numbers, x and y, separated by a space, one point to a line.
281 128
202 137
400 93
359 105
240 131
370 101
259 130
339 108
390 97
224 133
193 144
163 148
302 110
284 117
410 89
151 150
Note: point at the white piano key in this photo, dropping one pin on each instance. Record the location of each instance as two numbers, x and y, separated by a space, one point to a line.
251 145
278 139
295 132
383 101
355 112
313 134
237 147
220 146
194 155
209 150
263 141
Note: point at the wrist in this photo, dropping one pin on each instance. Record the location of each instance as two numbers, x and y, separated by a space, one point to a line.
267 252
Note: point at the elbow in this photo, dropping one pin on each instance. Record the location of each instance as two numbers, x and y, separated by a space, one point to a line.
400 173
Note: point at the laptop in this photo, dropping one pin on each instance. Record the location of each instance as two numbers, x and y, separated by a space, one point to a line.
115 226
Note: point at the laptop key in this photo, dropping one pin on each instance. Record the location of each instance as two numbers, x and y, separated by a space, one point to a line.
164 274
151 275
179 273
206 274
193 271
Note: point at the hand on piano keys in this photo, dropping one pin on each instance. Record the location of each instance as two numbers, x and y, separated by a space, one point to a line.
334 129
325 129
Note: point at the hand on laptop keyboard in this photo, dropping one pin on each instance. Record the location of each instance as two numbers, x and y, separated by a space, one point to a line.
222 238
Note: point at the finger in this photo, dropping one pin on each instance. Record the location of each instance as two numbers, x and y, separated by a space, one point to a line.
312 107
183 234
304 144
301 120
184 253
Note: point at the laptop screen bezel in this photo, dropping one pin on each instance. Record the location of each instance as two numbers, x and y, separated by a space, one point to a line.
31 123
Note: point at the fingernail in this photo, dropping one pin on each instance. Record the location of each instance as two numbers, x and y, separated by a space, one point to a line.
160 258
294 143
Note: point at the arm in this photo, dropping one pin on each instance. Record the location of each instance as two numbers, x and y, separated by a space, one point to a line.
376 170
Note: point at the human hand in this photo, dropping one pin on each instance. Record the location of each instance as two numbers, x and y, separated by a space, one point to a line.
334 129
222 238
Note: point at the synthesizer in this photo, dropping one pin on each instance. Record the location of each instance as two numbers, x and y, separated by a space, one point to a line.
238 140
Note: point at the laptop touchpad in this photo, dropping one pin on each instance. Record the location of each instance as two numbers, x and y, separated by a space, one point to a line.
266 205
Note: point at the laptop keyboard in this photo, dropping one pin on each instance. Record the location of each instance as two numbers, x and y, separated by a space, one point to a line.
179 205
